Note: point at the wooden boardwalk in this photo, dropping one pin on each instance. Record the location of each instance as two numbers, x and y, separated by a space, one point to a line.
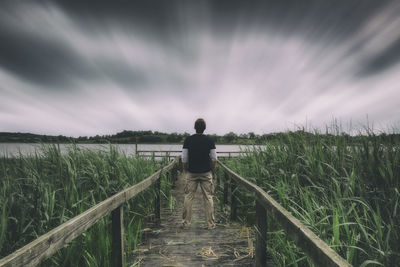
169 245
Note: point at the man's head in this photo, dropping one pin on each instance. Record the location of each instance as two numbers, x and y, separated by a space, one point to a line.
200 125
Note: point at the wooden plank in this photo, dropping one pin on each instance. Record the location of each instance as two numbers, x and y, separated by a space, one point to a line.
117 235
180 151
166 153
174 174
47 244
216 180
160 151
157 201
169 245
139 187
261 236
318 251
233 200
226 180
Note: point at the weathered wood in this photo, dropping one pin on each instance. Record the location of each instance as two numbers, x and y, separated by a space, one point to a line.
157 201
226 180
174 173
168 181
233 200
216 180
180 151
47 244
167 153
139 187
170 245
318 251
180 165
160 151
117 247
261 236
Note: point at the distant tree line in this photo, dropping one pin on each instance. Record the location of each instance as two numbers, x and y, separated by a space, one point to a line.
150 137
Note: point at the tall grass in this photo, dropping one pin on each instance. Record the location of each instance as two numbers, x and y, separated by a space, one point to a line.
42 191
347 193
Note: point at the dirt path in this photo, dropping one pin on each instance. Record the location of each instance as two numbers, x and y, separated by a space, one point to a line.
169 245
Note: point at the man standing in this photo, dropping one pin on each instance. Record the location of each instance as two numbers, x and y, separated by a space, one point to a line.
199 158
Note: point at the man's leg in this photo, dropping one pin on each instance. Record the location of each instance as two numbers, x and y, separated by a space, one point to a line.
207 188
190 190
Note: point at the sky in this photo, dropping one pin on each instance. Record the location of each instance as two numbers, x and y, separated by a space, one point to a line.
99 67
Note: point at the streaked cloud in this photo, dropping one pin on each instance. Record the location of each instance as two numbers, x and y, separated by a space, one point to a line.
68 68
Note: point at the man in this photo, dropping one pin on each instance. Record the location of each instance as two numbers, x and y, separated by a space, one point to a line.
199 158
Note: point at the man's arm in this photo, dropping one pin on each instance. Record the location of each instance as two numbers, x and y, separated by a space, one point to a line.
213 157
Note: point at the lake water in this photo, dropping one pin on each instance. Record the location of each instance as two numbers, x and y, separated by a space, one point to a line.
14 149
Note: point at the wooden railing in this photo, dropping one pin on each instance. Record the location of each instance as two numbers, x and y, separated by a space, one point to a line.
49 243
46 245
316 249
174 153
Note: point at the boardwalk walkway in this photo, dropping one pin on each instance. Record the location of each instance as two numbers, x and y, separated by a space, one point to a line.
169 245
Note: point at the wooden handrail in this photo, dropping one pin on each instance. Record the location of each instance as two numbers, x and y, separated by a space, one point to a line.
159 151
180 151
49 243
166 153
46 245
318 251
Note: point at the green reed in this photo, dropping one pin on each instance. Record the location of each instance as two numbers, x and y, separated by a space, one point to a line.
346 192
41 191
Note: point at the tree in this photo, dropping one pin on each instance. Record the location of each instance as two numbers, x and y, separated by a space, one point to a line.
230 137
251 135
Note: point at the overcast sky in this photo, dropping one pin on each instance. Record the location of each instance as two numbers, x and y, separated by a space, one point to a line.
94 67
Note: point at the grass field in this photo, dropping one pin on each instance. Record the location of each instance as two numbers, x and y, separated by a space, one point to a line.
347 193
40 192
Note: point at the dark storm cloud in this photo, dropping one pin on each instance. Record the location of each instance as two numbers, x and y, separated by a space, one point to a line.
382 61
123 74
51 62
45 62
39 56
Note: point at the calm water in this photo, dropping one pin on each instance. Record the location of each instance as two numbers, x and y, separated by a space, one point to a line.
13 149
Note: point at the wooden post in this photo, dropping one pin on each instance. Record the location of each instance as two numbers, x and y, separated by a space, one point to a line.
174 174
226 188
136 148
216 179
177 170
233 200
261 235
180 167
157 203
117 249
168 183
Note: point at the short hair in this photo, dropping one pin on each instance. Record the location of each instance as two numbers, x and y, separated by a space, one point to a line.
200 125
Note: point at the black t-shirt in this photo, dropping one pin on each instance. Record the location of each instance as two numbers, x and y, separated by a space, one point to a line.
199 147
